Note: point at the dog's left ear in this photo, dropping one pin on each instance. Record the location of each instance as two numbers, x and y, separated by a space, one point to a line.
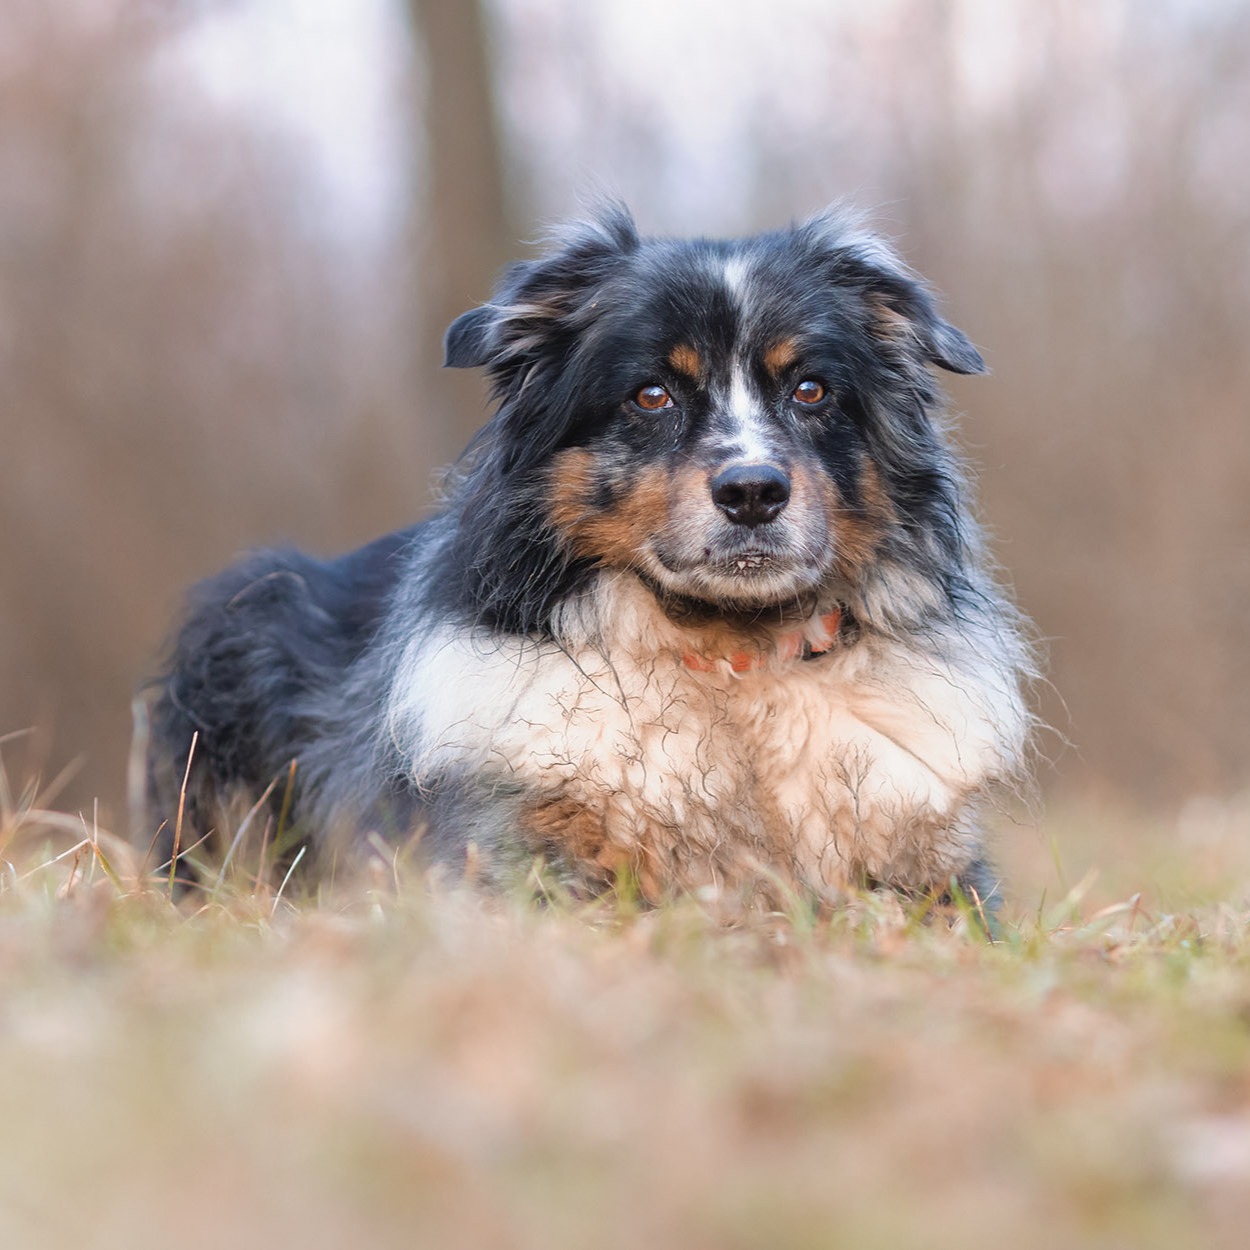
904 308
950 347
943 344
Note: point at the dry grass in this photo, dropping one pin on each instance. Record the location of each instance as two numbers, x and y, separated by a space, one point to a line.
400 1066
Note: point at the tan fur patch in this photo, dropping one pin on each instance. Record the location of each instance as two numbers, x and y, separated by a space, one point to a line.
572 481
780 356
857 532
685 359
614 536
575 836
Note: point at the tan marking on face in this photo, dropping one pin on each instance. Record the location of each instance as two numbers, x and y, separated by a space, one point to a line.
858 532
876 498
685 359
613 536
780 356
571 484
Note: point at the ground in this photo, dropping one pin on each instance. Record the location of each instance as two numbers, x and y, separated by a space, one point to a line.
394 1065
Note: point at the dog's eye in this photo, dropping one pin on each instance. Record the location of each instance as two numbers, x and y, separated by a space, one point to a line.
809 392
653 398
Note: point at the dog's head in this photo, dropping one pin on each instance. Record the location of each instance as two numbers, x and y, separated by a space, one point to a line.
744 424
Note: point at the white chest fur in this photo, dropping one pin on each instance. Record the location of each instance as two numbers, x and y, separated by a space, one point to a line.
864 761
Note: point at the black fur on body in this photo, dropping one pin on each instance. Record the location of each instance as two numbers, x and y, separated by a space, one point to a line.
699 447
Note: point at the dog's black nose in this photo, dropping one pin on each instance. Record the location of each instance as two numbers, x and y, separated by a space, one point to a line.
751 494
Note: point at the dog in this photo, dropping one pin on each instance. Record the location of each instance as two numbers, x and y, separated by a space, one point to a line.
705 608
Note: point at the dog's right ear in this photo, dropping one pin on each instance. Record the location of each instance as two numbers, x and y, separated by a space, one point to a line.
539 301
466 344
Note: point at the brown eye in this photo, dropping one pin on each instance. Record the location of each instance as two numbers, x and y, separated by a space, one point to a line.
809 391
653 398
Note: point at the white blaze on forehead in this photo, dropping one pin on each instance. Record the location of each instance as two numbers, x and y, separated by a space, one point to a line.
736 278
744 411
748 430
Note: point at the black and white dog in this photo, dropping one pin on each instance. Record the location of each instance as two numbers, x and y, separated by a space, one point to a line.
705 609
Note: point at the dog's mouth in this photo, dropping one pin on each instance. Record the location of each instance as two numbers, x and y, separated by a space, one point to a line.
745 564
751 577
751 563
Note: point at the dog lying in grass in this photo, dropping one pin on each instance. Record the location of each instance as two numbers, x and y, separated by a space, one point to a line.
706 608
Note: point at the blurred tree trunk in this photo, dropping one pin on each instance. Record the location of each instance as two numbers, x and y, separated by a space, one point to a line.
460 232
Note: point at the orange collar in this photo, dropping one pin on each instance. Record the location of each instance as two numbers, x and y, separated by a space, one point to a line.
794 646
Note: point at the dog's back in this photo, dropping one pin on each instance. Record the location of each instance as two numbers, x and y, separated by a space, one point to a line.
265 672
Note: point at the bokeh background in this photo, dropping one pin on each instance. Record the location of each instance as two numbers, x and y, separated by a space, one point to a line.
232 232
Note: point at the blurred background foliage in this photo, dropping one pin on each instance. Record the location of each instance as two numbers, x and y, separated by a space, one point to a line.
231 234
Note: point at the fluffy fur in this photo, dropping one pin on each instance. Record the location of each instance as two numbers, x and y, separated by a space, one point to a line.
706 607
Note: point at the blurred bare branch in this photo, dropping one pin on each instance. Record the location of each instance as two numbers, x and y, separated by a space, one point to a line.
460 225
